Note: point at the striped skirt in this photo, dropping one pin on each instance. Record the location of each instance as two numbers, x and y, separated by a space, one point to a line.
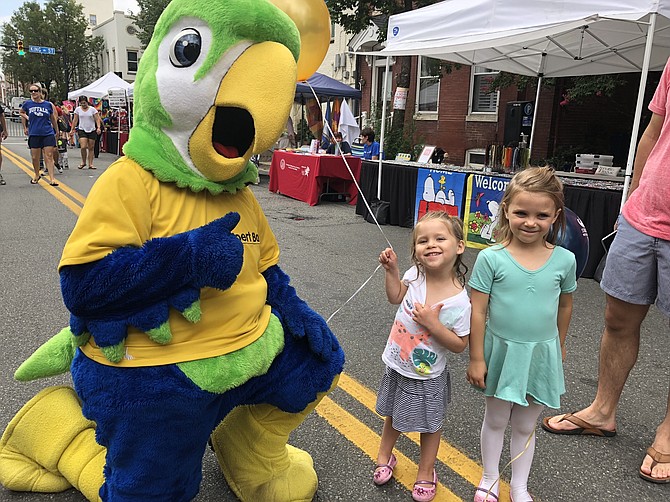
414 405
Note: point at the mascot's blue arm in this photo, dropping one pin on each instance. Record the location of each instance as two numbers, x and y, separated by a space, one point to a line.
297 317
136 286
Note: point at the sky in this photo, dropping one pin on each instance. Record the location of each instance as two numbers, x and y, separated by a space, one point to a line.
7 7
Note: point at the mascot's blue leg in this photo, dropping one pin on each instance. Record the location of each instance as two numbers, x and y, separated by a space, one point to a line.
155 424
251 442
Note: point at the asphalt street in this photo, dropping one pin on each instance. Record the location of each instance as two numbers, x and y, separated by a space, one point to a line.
329 252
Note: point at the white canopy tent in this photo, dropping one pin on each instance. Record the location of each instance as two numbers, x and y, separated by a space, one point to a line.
100 88
543 38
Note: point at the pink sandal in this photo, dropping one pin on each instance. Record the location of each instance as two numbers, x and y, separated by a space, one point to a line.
423 493
384 472
484 495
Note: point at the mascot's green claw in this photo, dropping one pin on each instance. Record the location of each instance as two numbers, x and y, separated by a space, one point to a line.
114 353
192 313
82 339
161 334
52 358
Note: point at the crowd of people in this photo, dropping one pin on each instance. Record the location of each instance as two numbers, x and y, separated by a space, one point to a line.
49 131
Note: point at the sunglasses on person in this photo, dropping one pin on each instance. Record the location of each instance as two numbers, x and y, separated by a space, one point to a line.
35 90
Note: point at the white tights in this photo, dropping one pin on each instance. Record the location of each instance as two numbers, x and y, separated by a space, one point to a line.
523 420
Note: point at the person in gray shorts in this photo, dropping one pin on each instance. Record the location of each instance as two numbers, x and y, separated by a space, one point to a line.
636 276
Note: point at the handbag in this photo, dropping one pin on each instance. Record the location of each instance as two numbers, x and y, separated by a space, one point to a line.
380 209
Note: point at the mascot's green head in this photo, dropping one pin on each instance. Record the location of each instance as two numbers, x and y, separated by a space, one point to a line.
213 87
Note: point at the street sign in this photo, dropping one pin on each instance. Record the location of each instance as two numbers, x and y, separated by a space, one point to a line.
41 50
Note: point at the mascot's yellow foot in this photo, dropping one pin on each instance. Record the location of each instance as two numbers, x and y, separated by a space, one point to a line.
49 447
250 445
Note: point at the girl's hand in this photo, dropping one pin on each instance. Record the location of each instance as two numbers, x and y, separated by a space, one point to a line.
388 259
476 374
426 316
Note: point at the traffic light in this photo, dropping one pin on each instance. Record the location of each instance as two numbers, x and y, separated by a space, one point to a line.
19 48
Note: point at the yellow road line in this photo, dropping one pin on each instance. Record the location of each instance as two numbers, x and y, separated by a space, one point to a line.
60 195
450 456
367 441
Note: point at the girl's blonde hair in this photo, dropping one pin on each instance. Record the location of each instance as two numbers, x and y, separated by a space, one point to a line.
455 226
534 180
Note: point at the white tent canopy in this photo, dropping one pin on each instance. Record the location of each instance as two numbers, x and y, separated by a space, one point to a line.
543 38
100 88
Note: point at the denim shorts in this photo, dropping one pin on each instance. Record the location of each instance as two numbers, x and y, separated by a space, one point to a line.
637 268
41 141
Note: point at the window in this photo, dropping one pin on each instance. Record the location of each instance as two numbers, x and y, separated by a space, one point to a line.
92 19
483 100
429 85
132 61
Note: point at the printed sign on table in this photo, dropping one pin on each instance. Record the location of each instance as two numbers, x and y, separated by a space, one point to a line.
438 190
482 202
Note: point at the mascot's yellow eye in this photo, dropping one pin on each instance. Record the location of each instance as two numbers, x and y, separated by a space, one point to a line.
185 48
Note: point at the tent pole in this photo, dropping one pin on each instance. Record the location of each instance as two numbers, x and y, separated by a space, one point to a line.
540 74
383 128
638 107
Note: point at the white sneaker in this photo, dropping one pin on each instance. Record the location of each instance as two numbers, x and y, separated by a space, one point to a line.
60 170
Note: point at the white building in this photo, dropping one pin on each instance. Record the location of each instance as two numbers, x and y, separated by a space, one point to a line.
122 49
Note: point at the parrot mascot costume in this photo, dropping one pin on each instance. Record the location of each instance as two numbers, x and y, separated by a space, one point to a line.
183 328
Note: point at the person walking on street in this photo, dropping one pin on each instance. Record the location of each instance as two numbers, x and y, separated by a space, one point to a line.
433 319
39 124
524 283
3 136
88 126
636 275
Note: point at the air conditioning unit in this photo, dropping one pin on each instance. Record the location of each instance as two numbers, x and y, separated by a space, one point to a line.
345 74
475 158
343 60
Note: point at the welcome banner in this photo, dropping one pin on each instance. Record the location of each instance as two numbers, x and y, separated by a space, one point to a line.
483 197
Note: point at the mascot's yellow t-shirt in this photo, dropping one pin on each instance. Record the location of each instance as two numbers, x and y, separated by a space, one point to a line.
128 206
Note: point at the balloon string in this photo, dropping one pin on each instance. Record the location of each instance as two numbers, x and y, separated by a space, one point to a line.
365 201
525 448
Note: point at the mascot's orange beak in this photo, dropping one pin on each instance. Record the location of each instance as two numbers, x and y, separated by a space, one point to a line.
249 113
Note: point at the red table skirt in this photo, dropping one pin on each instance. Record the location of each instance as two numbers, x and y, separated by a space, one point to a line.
303 177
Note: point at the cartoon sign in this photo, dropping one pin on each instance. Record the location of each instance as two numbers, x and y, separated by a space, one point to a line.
438 190
482 202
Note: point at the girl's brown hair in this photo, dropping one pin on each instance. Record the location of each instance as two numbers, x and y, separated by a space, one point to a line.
535 180
455 226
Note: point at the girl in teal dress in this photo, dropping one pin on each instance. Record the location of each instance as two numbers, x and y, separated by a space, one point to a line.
525 284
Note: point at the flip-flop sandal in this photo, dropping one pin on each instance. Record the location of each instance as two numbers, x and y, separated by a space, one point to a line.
583 427
91 167
658 458
384 472
35 181
54 184
81 166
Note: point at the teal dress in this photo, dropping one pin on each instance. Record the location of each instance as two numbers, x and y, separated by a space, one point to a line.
522 348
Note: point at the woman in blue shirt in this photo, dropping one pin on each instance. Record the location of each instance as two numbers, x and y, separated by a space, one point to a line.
370 146
39 124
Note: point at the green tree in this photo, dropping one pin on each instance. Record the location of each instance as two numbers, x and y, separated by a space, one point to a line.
61 24
150 11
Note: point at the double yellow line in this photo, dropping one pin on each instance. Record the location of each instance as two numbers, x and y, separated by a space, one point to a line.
350 427
70 198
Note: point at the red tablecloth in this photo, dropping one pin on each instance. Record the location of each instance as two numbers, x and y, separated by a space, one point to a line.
303 177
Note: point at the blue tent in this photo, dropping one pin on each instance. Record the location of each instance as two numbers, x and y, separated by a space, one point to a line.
325 88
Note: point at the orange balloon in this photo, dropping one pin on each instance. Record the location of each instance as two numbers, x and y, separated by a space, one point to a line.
313 21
